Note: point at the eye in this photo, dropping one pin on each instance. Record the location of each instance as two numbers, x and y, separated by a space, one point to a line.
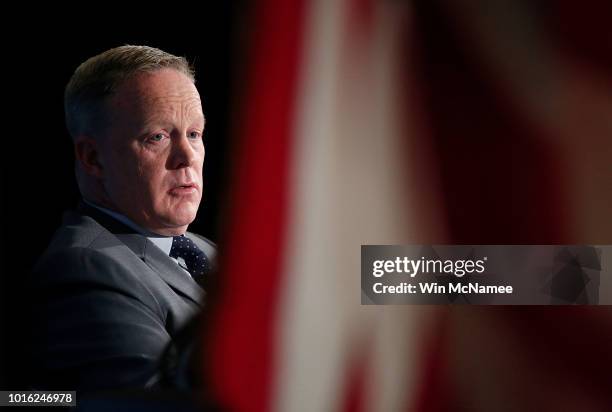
158 137
193 135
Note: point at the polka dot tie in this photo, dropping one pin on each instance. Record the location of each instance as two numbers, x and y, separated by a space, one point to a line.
196 260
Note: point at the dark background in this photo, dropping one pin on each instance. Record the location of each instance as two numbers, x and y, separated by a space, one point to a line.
38 183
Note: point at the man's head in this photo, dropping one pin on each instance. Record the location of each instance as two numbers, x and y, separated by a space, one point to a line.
136 120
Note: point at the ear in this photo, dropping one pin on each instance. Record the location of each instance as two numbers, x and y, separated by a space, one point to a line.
87 153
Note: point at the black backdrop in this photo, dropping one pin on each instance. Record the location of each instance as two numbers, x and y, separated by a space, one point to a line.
44 48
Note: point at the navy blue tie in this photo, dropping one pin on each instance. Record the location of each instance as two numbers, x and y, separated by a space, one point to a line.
196 260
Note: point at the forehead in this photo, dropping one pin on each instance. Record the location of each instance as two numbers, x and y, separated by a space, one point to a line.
165 90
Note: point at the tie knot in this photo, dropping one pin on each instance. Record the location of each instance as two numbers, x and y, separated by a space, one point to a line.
195 259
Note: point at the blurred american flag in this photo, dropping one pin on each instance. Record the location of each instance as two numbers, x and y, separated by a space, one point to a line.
389 122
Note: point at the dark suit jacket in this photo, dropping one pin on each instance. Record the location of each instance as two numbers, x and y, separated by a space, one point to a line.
106 304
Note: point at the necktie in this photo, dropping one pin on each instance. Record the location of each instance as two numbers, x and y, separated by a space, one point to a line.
196 260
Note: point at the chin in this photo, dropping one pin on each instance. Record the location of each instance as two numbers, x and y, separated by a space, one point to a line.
181 219
177 214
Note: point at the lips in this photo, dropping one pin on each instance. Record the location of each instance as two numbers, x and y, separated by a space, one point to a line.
186 188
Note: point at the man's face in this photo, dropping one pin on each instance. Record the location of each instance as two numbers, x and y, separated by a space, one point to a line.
152 153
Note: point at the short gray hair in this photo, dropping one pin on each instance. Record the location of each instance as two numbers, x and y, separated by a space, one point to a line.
98 77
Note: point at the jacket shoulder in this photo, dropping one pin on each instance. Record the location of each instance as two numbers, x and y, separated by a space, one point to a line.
87 268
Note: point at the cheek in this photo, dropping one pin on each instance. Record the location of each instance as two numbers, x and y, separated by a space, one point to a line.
146 182
125 165
153 180
200 163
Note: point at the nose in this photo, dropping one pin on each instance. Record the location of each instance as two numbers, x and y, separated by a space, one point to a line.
183 152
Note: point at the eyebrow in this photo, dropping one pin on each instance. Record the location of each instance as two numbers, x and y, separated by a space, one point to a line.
162 121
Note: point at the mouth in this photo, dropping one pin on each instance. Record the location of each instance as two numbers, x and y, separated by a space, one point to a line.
184 189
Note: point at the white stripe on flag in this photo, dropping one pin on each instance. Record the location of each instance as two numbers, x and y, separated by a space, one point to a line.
348 188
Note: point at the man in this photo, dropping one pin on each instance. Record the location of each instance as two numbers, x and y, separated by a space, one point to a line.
122 275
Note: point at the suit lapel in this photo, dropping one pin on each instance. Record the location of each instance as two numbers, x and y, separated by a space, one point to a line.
163 265
150 254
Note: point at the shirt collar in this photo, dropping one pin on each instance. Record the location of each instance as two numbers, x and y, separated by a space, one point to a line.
162 242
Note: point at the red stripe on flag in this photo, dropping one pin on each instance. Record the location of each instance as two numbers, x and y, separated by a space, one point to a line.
240 367
355 390
435 392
